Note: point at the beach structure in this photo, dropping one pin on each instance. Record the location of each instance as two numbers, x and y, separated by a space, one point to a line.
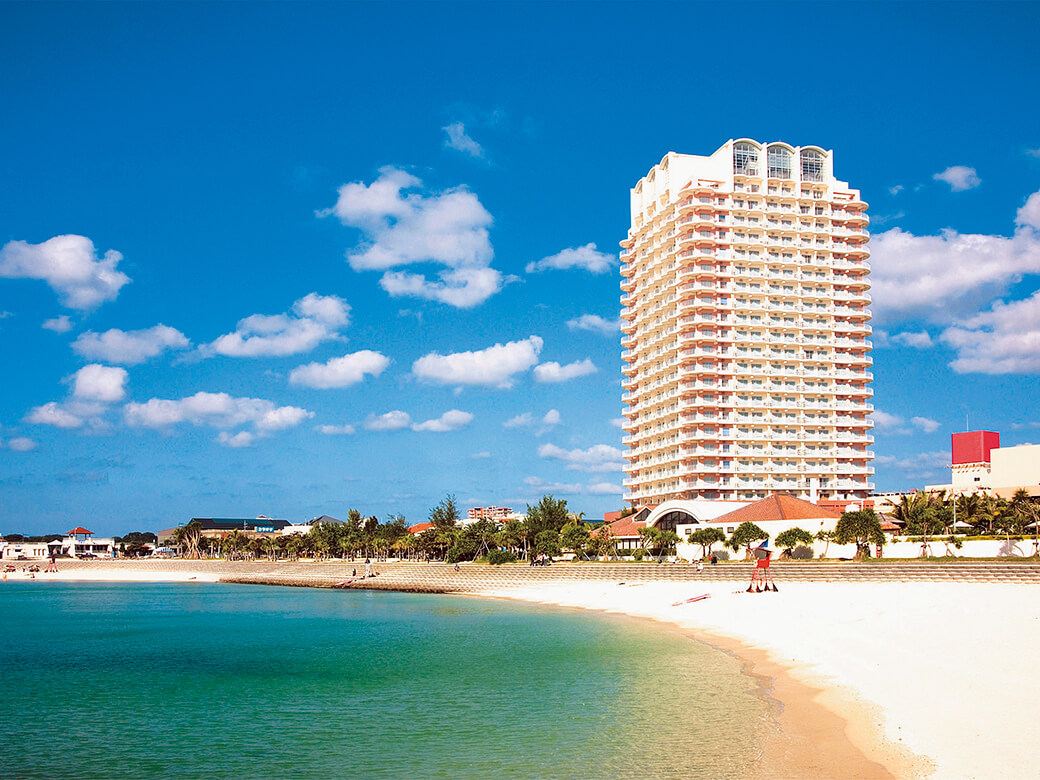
980 464
745 329
219 527
500 513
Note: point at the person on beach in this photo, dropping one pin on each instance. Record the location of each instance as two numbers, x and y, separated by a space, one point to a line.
700 565
51 568
368 567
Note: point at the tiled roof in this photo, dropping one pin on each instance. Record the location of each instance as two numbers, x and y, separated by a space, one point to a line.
626 526
778 506
420 527
79 530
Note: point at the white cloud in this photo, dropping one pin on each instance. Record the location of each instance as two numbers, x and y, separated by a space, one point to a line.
481 455
60 324
316 318
449 421
240 439
1003 340
391 421
536 485
340 372
551 418
217 410
899 426
604 489
619 422
925 424
493 367
70 265
22 444
130 347
554 372
524 420
99 383
54 414
959 177
599 457
459 140
1033 152
448 229
595 324
920 340
925 464
336 430
949 277
586 258
895 190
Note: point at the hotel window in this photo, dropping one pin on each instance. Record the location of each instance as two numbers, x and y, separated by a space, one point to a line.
745 159
779 159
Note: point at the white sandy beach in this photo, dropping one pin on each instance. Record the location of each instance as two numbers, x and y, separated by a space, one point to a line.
944 670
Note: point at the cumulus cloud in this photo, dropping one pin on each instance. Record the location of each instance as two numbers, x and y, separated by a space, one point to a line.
925 424
1003 340
458 139
948 277
449 421
240 439
70 265
216 410
604 489
554 372
60 324
959 177
922 465
899 426
340 372
492 367
53 413
336 430
391 421
314 319
599 457
129 347
896 189
585 258
22 444
401 228
619 422
524 420
919 340
595 324
99 383
537 485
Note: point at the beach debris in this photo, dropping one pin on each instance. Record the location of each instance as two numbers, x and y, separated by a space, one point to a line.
692 599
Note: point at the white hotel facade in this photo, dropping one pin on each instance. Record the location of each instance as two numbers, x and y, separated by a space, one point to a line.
745 327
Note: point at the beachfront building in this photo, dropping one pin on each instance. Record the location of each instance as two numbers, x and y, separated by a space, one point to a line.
980 464
745 328
219 527
499 513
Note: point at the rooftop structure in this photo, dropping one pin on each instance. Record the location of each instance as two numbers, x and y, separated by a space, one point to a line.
979 463
745 320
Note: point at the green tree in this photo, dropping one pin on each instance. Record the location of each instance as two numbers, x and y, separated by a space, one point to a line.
233 544
826 537
791 538
547 542
861 527
604 542
445 514
549 514
576 537
745 534
706 537
513 536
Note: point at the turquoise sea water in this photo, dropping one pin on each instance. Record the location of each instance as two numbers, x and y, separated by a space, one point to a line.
206 680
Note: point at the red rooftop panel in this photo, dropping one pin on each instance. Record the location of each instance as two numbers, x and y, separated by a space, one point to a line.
973 446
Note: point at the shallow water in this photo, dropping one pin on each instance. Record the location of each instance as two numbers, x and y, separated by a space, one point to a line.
209 680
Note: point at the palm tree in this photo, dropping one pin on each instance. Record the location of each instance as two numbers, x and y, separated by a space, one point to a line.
188 536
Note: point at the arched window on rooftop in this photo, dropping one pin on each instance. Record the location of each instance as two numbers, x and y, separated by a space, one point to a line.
812 165
745 159
779 158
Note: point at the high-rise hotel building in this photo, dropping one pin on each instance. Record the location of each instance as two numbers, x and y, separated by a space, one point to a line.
745 329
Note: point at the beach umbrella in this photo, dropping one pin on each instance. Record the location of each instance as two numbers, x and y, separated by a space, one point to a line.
763 550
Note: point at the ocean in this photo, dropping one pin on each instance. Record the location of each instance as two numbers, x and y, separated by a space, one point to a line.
121 680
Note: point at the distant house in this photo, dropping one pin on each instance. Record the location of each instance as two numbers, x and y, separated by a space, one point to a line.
418 528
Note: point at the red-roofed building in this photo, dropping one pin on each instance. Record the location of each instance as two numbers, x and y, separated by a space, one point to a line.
418 528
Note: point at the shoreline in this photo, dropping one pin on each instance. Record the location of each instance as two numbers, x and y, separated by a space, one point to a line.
817 732
929 677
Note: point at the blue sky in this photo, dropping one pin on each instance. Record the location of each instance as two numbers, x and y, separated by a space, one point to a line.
337 211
